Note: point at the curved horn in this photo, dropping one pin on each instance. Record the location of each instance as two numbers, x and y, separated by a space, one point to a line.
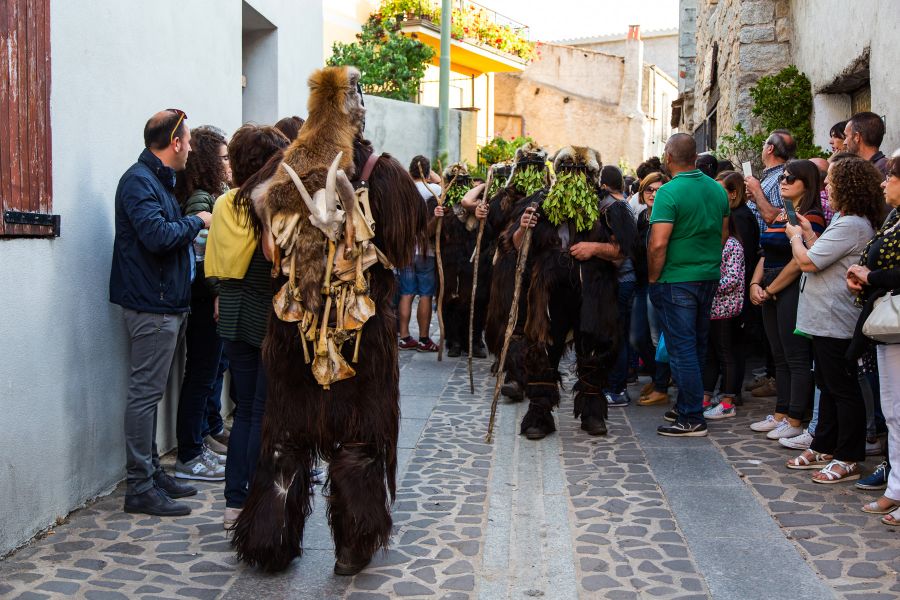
330 183
307 199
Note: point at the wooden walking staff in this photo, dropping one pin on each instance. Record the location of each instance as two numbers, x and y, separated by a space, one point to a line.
510 324
440 262
484 199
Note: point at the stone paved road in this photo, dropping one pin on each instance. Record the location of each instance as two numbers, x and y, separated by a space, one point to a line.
632 515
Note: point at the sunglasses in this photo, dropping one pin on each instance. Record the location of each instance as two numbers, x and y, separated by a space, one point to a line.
181 117
788 178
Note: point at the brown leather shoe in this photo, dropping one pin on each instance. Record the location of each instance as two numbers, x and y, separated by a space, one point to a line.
654 398
766 390
645 391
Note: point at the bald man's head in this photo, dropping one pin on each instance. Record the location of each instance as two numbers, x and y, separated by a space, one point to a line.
681 150
163 127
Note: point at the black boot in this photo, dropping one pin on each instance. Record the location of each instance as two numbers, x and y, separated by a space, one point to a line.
454 350
537 423
171 486
513 391
155 502
478 349
593 425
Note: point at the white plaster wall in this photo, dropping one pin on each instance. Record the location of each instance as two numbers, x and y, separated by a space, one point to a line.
300 46
63 363
405 130
830 34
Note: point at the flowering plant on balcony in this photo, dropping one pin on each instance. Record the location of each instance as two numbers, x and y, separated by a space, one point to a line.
473 24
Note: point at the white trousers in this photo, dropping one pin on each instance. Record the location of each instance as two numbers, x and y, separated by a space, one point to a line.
889 377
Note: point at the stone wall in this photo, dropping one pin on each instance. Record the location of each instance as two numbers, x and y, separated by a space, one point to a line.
752 38
577 96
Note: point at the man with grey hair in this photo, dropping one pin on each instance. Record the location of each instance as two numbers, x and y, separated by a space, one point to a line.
767 204
689 226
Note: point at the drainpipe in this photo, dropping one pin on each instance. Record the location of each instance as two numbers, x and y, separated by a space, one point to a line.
444 84
521 119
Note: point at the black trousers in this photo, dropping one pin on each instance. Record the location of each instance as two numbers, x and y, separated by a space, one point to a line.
841 430
793 354
722 357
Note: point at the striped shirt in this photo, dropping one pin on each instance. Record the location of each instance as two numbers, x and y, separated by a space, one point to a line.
245 304
776 246
771 187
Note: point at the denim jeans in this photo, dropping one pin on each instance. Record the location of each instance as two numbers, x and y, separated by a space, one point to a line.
683 311
619 373
248 376
204 350
214 422
640 338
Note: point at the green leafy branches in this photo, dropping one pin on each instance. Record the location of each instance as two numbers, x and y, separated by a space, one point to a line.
392 64
455 193
499 150
781 101
529 179
572 199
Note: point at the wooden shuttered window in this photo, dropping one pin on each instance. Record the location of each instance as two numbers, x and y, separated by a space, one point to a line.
25 141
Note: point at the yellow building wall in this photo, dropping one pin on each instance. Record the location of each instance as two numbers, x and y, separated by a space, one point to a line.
343 19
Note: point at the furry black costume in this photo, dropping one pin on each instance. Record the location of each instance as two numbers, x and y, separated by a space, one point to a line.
354 423
567 296
498 252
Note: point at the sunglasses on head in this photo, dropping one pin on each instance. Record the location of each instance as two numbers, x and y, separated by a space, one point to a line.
788 178
181 117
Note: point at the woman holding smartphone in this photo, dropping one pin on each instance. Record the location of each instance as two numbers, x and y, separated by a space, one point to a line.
776 287
827 311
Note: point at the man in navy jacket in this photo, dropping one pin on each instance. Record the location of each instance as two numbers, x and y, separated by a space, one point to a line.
150 279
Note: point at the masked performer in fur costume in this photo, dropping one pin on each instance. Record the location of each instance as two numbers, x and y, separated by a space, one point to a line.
528 175
573 261
330 351
459 231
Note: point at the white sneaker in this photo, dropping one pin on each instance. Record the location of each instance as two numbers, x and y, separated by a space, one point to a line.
800 442
213 457
873 448
714 413
200 468
767 424
784 430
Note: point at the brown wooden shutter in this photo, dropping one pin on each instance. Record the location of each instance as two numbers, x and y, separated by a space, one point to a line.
25 141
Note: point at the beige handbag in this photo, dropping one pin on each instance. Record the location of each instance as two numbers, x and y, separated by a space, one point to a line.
883 325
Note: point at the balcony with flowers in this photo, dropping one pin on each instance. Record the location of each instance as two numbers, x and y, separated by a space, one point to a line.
483 41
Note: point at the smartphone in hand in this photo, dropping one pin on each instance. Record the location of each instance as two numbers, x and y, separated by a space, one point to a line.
790 211
748 169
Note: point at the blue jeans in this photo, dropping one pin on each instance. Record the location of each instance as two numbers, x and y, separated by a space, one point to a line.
214 423
619 373
204 350
640 338
683 311
248 376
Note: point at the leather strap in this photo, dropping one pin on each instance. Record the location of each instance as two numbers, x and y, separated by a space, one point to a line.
367 168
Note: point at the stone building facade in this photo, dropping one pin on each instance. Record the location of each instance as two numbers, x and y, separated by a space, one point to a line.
846 50
619 105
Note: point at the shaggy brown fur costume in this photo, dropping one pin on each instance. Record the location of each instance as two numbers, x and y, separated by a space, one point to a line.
354 424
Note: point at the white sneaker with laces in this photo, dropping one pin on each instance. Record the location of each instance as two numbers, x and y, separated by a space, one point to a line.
784 430
799 442
767 424
200 468
213 457
717 412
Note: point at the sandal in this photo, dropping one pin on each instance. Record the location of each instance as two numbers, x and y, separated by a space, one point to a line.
873 508
830 475
809 459
892 519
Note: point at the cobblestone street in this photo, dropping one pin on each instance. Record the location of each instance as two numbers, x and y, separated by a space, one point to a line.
632 515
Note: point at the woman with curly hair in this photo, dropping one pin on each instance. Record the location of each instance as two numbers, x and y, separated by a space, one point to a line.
206 175
238 261
828 312
878 274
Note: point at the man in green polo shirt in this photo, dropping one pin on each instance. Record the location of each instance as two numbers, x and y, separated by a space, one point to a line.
689 226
